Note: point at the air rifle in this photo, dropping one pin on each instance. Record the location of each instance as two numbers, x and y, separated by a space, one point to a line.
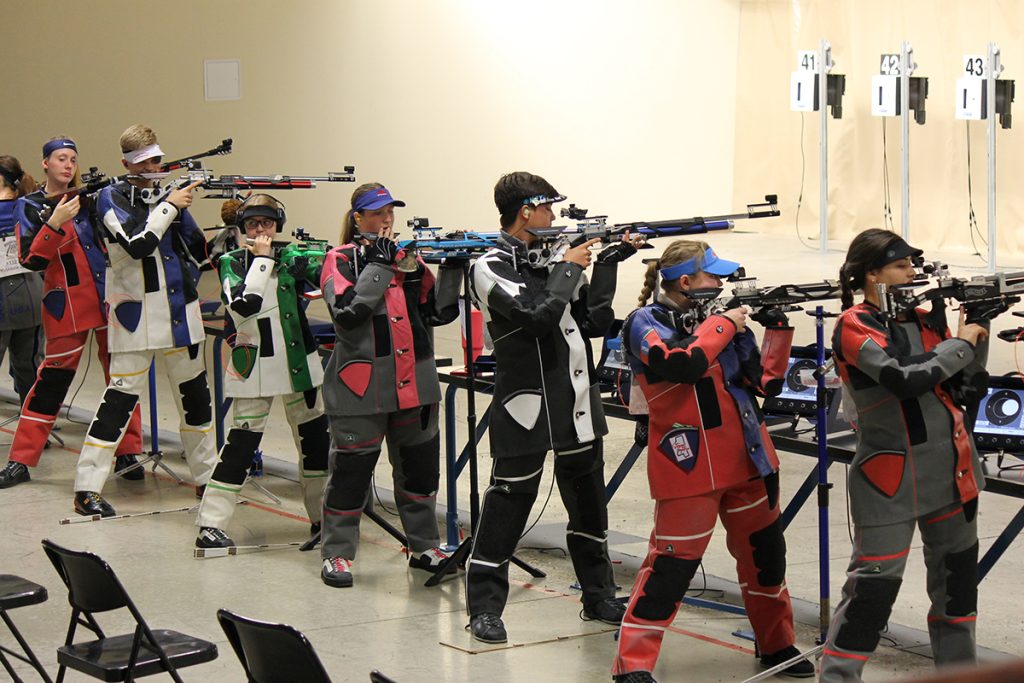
983 297
231 186
435 246
760 300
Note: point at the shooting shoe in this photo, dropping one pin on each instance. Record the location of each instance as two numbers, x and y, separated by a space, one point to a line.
488 628
635 677
89 503
212 537
801 669
608 610
12 474
431 560
127 467
337 572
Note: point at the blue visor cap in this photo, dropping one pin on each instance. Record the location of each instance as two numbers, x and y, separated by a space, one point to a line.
377 198
709 262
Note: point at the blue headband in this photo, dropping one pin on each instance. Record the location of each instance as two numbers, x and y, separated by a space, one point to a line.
60 143
709 262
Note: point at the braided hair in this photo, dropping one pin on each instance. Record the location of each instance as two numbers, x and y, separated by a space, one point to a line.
865 249
677 252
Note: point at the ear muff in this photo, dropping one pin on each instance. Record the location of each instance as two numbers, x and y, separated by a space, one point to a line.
277 212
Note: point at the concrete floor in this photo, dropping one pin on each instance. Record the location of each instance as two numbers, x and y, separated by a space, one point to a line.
391 622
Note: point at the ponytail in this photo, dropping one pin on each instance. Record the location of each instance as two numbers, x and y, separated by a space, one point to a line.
348 223
650 282
865 249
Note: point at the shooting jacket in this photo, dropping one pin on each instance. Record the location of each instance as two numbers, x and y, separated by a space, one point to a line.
273 351
383 357
20 293
707 431
546 393
914 453
156 254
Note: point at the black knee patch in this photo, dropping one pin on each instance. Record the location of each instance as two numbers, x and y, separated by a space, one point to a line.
51 388
350 480
421 466
769 550
195 400
867 614
236 456
112 415
309 396
771 487
962 582
193 351
665 587
314 443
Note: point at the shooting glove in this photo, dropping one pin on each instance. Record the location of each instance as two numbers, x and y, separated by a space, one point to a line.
771 317
382 250
616 253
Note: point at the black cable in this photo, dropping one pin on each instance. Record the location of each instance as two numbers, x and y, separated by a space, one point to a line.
800 197
849 528
376 494
543 507
81 383
886 191
972 219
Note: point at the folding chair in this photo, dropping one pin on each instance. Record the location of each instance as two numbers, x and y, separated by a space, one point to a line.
18 592
92 588
272 653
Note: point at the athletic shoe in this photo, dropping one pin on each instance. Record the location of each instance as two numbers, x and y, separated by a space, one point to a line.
802 669
635 677
431 559
127 467
212 537
89 503
488 628
12 474
608 610
337 572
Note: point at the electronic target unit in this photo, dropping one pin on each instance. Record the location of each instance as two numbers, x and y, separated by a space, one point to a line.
1000 422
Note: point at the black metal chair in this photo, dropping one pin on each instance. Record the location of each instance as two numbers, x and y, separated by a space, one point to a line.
18 592
272 653
92 588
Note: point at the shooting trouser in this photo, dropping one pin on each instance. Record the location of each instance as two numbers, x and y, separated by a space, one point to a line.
873 581
129 373
579 473
305 414
56 372
682 531
23 344
414 449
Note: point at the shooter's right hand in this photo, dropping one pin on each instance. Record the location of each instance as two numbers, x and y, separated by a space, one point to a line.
182 196
382 250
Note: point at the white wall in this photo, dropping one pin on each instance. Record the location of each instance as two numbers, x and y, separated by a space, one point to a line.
626 107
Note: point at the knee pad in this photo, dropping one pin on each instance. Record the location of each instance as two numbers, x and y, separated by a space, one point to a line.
665 587
236 455
51 389
314 443
195 400
769 552
962 582
421 466
112 415
867 614
350 480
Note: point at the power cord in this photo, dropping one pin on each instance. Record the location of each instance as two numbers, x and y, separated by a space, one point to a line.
886 191
800 197
972 219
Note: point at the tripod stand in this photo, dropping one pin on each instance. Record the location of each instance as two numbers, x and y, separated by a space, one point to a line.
461 554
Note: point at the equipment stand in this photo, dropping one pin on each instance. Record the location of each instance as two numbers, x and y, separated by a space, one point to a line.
821 434
155 455
461 554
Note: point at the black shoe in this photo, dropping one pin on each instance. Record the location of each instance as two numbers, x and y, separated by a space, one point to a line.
802 669
12 474
89 503
128 468
635 677
212 537
488 628
608 610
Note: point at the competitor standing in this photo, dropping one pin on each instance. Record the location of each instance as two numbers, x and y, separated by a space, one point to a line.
20 291
381 381
156 251
273 353
540 318
915 464
709 455
61 241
